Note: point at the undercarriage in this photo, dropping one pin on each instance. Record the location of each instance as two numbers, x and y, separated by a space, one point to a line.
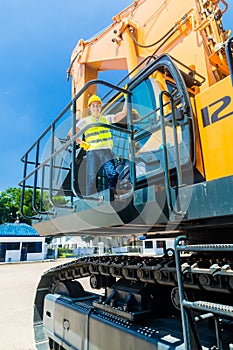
136 302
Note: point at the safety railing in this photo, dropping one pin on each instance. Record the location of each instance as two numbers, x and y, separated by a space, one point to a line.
48 163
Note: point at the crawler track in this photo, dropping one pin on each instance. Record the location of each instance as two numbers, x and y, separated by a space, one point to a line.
154 279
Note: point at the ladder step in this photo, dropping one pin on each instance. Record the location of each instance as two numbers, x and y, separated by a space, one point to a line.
199 305
206 247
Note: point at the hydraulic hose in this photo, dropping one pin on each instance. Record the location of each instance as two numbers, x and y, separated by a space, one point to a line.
168 34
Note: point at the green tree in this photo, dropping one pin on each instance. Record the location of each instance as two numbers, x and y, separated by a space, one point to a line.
10 204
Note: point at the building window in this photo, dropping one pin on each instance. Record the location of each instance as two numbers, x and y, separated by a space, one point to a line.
4 246
10 246
32 247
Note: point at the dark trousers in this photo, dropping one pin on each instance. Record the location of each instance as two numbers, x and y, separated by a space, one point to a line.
95 160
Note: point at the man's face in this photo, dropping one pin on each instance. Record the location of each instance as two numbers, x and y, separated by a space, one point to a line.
95 109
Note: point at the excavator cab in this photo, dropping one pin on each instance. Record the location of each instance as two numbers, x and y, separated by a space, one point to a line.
163 130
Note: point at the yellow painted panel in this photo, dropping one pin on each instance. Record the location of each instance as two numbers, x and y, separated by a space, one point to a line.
215 120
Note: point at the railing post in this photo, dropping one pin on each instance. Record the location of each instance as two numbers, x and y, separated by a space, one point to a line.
132 165
74 121
229 53
35 177
23 192
165 151
51 165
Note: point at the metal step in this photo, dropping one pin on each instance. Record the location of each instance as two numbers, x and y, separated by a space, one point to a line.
219 309
205 247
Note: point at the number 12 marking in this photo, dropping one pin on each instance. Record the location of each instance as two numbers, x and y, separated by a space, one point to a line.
214 117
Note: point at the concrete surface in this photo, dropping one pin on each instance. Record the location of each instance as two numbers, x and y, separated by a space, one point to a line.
18 283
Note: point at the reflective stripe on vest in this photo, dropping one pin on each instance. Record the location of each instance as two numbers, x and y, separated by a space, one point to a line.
99 136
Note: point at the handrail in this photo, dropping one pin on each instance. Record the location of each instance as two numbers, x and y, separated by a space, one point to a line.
165 152
33 217
166 60
51 127
229 53
67 144
35 177
51 176
38 211
67 107
92 82
130 126
41 197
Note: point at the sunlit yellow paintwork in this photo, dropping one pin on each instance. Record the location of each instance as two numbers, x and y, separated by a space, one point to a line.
217 137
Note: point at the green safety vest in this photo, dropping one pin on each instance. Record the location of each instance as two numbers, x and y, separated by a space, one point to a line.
99 136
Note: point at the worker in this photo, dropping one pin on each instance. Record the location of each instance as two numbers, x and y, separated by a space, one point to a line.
98 144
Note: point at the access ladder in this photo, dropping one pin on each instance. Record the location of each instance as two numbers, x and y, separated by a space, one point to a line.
203 309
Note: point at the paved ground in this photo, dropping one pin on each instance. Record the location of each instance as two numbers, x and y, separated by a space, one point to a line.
17 291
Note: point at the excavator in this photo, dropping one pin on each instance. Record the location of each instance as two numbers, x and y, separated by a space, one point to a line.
172 64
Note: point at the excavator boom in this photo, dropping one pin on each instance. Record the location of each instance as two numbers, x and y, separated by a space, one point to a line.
149 28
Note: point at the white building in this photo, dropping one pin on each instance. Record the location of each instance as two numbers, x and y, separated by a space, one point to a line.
20 242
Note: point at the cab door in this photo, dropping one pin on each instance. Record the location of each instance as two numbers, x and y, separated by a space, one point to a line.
163 132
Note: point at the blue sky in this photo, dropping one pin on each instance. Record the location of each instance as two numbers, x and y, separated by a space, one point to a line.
36 42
